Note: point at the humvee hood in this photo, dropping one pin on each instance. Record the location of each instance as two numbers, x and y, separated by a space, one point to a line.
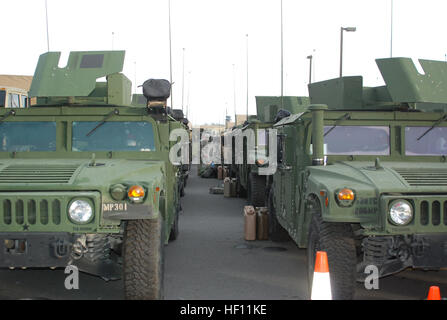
385 177
76 174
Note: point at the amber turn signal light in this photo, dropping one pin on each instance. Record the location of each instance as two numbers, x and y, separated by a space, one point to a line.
136 193
346 195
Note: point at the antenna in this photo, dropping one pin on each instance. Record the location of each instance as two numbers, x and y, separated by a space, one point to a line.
247 74
391 41
183 78
48 34
170 53
282 59
234 94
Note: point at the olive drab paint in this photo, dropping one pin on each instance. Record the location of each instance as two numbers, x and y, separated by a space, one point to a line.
400 161
38 183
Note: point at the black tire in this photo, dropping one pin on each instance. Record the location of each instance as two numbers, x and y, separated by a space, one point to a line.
143 259
276 232
337 240
182 189
257 190
175 227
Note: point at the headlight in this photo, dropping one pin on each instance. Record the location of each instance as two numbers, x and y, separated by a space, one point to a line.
80 211
401 212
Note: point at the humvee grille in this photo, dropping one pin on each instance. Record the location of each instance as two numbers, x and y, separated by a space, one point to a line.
37 174
423 177
44 211
31 212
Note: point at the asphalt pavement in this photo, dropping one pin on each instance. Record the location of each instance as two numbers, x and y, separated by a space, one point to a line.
211 260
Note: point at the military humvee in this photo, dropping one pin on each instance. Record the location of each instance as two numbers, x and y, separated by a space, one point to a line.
363 174
250 182
85 178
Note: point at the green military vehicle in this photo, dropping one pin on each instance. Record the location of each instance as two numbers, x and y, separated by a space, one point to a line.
85 178
363 174
250 182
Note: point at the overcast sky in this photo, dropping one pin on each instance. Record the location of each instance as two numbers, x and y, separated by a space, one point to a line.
213 34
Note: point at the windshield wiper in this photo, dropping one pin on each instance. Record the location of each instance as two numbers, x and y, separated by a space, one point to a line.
437 123
113 113
10 113
347 116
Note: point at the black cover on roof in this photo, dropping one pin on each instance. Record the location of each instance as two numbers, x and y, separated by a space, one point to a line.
177 114
282 114
157 89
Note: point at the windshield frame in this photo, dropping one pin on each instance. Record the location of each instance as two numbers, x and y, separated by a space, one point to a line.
64 116
396 120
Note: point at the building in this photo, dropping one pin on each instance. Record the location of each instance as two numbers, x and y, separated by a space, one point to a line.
22 82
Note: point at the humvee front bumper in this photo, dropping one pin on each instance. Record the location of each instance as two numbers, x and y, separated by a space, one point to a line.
392 254
20 250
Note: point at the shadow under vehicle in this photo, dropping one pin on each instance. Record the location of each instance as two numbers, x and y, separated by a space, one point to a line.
362 175
85 178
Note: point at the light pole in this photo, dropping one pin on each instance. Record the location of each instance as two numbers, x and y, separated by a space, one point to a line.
310 68
348 29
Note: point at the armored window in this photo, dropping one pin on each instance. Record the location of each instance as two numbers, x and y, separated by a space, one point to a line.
27 136
433 143
357 140
142 100
2 98
280 148
13 100
92 61
113 136
23 101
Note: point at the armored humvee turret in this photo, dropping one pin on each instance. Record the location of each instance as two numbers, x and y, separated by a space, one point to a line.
363 174
85 178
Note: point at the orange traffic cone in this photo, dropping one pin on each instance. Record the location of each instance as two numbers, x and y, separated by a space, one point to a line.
321 284
434 293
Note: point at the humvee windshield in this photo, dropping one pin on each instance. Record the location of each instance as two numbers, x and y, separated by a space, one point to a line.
113 136
434 143
357 140
28 136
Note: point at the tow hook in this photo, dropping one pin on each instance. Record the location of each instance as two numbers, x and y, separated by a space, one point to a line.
61 248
